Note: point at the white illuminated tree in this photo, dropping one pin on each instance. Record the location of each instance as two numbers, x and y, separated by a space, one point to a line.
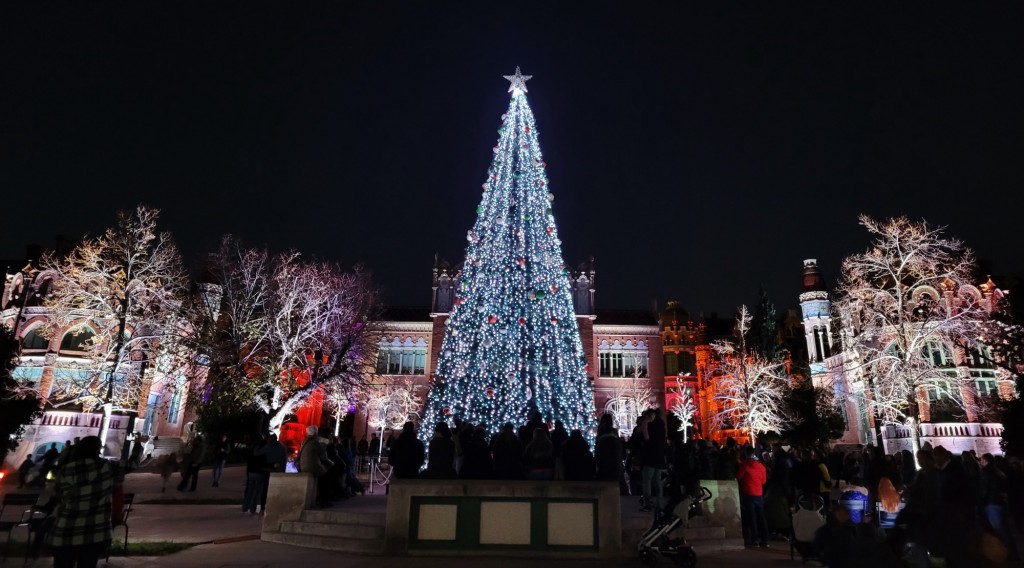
906 302
120 293
630 398
285 328
338 399
684 409
389 405
750 390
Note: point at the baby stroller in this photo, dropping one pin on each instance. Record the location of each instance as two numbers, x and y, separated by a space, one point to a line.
657 540
807 519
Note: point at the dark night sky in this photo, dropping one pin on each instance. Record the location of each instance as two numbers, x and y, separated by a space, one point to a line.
697 152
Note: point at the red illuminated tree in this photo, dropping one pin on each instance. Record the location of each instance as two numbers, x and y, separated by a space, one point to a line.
283 329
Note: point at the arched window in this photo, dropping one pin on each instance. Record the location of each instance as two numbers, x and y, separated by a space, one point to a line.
34 340
78 339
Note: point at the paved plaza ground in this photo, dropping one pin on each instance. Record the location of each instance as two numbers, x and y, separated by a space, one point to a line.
212 518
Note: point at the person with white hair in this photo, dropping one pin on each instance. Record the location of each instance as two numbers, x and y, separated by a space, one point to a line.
313 460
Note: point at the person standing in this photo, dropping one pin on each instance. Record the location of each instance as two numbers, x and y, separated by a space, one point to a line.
442 454
24 470
653 451
313 460
577 459
220 458
84 491
166 465
508 453
406 455
50 459
751 477
191 464
539 457
362 449
276 456
255 467
608 451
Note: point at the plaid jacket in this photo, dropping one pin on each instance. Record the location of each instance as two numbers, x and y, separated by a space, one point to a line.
84 490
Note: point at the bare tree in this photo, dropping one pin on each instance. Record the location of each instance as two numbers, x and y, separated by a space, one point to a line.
390 405
750 390
119 292
908 309
684 409
338 398
285 328
630 398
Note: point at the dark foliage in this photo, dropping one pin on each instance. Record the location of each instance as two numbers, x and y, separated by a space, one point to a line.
817 419
17 407
764 336
216 415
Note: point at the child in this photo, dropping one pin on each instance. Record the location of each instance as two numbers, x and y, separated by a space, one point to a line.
167 465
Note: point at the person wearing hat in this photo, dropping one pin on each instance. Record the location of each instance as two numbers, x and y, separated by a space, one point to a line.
313 460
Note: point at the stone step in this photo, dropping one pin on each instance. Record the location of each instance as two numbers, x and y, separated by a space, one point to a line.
343 517
333 530
644 520
355 545
630 538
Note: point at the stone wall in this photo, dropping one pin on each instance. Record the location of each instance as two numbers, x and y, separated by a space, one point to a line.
519 518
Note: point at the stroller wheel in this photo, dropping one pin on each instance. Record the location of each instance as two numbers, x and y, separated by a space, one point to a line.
686 557
649 558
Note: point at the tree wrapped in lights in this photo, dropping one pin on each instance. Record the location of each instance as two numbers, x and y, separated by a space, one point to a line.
684 409
121 292
630 399
390 405
750 389
904 302
512 344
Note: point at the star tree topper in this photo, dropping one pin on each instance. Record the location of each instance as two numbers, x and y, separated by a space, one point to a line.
518 82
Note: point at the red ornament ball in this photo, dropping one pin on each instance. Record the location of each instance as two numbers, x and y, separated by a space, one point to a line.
550 230
490 391
522 320
447 411
527 129
554 288
492 319
554 321
458 301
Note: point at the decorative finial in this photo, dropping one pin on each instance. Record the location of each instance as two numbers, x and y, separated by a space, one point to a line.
518 82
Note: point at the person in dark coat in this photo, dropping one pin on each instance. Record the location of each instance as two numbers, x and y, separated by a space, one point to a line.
477 463
539 457
407 453
728 460
526 432
653 452
608 451
558 439
579 462
442 454
508 454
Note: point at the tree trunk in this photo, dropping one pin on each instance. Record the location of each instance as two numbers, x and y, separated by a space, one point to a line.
108 410
277 416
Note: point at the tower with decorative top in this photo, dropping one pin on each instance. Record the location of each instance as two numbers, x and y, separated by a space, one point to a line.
511 345
817 317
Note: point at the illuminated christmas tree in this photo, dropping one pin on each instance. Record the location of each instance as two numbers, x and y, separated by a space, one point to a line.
512 344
